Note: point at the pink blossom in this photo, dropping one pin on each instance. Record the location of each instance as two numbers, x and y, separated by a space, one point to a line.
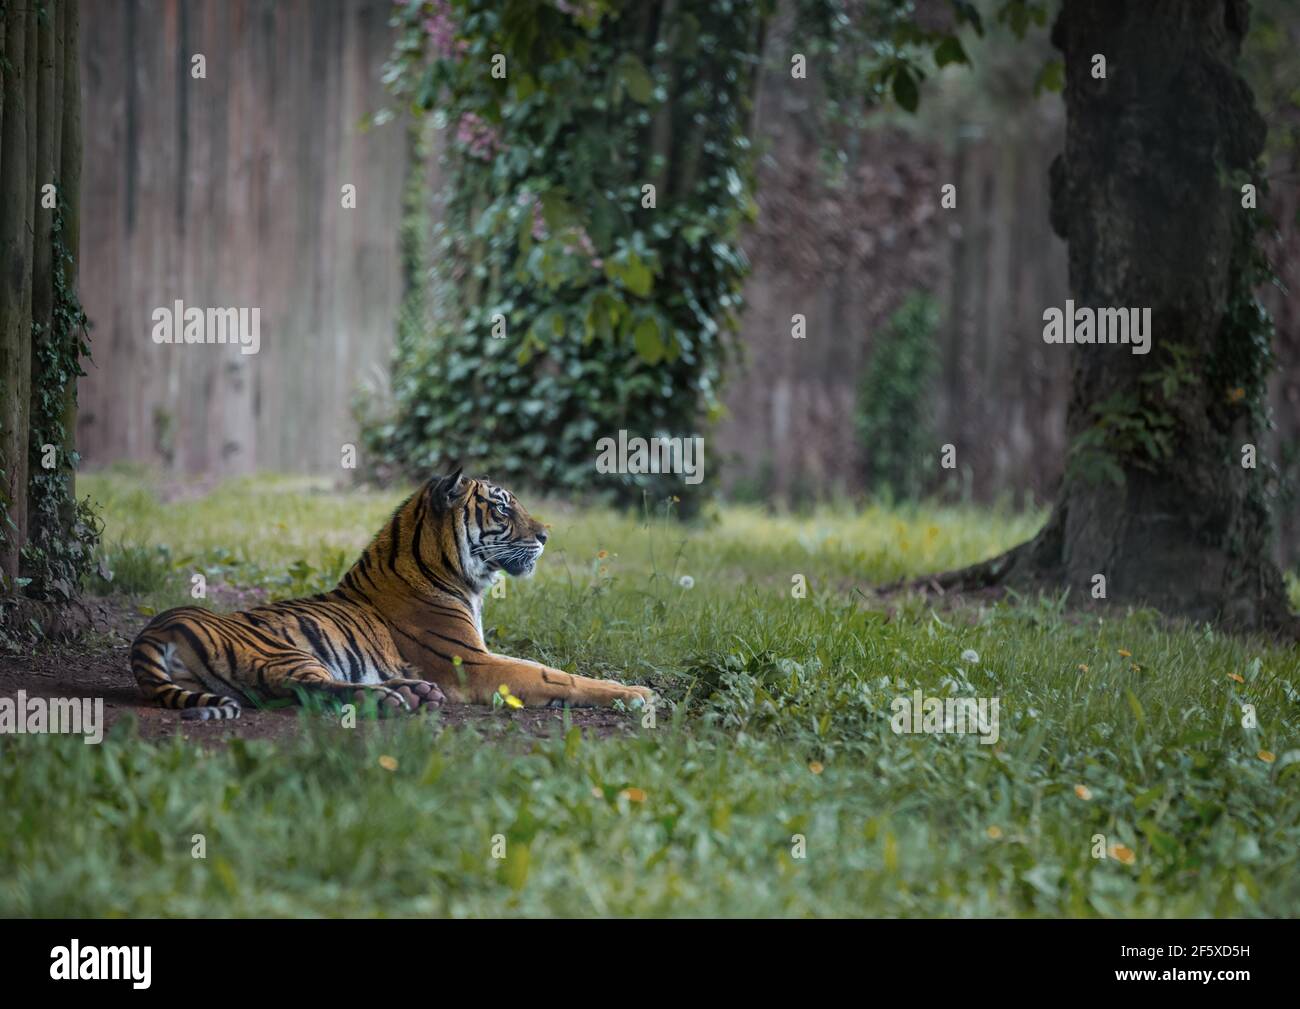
441 29
478 136
527 199
580 244
584 243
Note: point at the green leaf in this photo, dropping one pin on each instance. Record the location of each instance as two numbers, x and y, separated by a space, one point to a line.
634 274
1018 14
693 233
514 868
648 341
1136 707
950 51
1051 77
639 279
556 211
1161 841
905 90
635 79
225 875
967 11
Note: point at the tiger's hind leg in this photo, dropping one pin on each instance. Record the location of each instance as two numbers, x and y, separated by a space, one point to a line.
294 673
164 678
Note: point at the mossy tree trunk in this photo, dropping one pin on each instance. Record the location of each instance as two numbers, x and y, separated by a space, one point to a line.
69 167
15 285
40 146
1148 194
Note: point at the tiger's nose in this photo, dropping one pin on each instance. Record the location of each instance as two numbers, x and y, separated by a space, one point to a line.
541 535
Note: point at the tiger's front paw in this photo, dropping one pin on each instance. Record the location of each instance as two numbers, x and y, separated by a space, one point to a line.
631 696
645 694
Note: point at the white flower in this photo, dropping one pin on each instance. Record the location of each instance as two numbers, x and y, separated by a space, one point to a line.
971 656
686 582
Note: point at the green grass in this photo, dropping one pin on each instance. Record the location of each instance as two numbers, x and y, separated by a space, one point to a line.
775 727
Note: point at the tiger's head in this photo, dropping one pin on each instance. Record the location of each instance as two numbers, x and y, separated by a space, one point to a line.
491 529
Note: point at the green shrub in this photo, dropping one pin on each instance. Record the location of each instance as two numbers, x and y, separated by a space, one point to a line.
896 402
132 569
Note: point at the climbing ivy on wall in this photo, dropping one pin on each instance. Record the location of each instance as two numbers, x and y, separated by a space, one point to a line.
571 299
586 269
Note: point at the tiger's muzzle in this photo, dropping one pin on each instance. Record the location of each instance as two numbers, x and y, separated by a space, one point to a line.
522 560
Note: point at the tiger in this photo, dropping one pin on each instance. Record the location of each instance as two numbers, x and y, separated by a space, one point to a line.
402 629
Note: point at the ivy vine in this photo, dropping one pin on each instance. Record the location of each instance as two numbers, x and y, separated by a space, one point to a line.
62 532
585 275
586 272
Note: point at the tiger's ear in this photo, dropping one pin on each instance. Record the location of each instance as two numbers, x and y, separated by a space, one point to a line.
450 488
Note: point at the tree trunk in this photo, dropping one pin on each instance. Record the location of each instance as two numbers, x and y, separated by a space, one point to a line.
69 169
1148 194
42 238
15 288
40 146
